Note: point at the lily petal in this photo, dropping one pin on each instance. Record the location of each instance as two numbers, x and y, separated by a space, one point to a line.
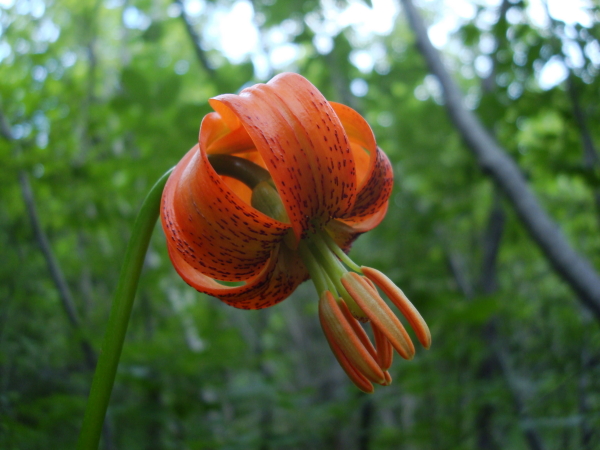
227 134
274 283
362 139
375 183
303 145
375 191
345 232
215 231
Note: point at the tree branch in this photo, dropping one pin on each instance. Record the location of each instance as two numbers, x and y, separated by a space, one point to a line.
53 267
491 246
195 38
590 155
5 129
493 159
339 80
489 83
55 272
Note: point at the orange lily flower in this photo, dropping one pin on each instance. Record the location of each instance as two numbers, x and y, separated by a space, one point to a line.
277 189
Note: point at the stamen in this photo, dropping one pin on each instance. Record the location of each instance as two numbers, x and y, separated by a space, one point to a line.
398 298
332 286
317 274
364 338
370 283
359 330
381 315
344 336
355 376
385 351
335 270
328 240
388 378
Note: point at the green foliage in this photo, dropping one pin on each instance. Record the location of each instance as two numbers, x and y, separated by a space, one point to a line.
99 110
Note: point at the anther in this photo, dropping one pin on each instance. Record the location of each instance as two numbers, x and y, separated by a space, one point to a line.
379 313
398 298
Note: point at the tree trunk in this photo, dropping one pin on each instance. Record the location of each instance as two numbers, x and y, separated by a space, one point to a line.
494 160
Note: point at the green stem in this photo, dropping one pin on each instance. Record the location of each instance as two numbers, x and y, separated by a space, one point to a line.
120 312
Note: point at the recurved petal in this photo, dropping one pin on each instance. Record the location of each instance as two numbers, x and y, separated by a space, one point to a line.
274 283
344 232
375 179
362 139
227 135
303 145
375 190
368 222
213 230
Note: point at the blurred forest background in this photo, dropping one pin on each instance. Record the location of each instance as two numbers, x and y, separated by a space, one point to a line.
98 98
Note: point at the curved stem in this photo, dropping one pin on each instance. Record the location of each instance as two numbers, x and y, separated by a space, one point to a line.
120 312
